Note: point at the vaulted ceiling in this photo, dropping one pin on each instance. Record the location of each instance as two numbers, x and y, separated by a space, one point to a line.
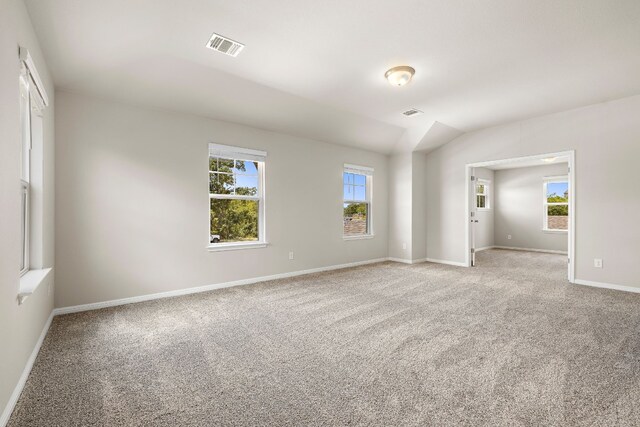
315 68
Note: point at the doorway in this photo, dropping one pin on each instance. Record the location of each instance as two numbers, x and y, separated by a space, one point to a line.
524 204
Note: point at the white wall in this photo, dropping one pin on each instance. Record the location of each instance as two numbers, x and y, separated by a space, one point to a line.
407 206
20 325
418 207
519 211
606 139
400 206
484 228
132 206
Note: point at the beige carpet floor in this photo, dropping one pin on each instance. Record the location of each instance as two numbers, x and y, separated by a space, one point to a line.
509 342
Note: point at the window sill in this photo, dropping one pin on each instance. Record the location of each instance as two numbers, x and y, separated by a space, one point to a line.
546 230
218 247
360 237
30 281
483 209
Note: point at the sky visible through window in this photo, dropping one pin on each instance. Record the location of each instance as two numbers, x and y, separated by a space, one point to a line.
558 189
355 187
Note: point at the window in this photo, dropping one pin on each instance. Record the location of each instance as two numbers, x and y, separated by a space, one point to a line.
33 100
556 204
483 200
236 196
357 181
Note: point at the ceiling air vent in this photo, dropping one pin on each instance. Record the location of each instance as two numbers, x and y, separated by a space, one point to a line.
412 112
224 45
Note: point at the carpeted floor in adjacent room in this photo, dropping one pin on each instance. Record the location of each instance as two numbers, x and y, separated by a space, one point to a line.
509 342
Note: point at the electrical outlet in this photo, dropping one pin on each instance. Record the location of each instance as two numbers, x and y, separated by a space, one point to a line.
509 236
597 263
404 246
291 255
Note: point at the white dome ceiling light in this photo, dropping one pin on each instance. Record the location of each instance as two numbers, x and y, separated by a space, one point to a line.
400 76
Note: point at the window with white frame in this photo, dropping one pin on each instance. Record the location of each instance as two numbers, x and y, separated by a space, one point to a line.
483 194
236 196
357 214
556 203
33 100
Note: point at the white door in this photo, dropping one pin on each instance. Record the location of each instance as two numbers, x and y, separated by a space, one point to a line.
473 216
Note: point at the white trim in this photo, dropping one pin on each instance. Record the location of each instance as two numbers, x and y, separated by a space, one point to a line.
368 189
8 409
238 153
607 286
401 260
358 237
25 57
30 281
513 248
217 247
407 261
206 288
486 194
485 248
442 261
571 155
360 170
555 178
545 202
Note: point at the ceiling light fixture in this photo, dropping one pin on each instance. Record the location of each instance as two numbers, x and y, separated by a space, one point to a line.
400 76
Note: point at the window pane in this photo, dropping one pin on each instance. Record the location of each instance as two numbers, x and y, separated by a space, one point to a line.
220 183
481 201
480 189
355 219
246 167
348 192
557 192
233 220
558 217
359 179
246 185
347 178
213 164
359 193
225 165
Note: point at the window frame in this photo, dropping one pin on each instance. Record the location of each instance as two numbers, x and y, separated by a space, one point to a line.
25 226
486 194
368 174
33 101
243 154
545 203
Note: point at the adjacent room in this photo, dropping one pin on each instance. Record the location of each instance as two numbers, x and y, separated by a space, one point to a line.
523 205
364 213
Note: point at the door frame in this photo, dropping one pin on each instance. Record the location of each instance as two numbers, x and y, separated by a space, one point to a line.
570 154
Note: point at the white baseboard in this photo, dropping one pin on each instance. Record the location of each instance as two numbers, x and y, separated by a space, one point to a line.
442 261
402 260
206 288
485 248
607 285
407 261
548 251
6 414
